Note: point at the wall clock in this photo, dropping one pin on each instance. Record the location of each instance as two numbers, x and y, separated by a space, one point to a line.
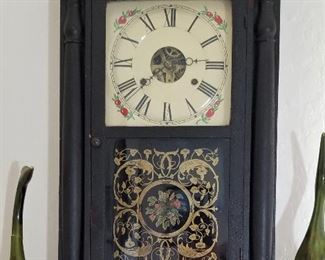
168 129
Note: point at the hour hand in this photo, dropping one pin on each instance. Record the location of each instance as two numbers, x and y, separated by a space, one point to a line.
147 81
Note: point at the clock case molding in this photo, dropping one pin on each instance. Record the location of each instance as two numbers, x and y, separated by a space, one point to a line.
257 24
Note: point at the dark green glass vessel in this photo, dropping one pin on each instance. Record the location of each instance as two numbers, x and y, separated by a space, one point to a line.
313 245
17 247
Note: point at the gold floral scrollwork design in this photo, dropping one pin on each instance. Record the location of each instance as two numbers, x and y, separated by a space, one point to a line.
201 180
165 204
129 180
165 251
130 238
201 237
206 155
166 163
126 155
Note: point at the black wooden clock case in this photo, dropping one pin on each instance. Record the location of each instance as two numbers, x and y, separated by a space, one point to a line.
87 145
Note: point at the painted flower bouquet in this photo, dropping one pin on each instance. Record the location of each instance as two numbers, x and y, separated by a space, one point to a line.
123 110
206 117
165 209
120 21
213 16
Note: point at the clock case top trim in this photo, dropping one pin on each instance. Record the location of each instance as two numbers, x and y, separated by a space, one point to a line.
82 129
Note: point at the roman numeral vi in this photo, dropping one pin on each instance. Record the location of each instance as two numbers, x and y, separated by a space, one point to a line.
167 115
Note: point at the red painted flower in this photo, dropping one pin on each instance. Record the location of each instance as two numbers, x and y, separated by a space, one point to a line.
117 102
177 204
124 111
122 20
209 14
218 19
210 113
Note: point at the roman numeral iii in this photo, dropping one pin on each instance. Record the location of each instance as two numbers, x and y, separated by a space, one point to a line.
170 17
209 41
214 65
123 63
207 89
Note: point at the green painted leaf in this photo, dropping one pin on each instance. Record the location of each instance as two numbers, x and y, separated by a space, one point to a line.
179 196
152 200
165 224
149 211
159 221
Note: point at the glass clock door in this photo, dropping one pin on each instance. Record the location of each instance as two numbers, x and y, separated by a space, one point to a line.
168 200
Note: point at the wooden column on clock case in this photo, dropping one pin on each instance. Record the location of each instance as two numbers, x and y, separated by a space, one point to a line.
72 137
264 135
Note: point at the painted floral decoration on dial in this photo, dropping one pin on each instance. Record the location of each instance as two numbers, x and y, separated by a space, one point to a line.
222 25
125 16
168 65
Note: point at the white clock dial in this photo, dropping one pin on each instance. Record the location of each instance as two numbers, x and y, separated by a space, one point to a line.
168 65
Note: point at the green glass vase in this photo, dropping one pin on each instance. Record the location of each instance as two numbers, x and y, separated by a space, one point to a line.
313 245
17 247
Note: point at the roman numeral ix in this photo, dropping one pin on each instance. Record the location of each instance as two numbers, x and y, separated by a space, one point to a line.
170 17
207 89
209 41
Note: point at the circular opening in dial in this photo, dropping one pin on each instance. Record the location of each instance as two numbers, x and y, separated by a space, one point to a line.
168 64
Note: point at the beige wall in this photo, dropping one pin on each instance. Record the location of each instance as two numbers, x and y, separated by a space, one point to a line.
301 118
29 101
29 126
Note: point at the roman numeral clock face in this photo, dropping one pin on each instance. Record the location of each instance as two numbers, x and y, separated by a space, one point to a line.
168 63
